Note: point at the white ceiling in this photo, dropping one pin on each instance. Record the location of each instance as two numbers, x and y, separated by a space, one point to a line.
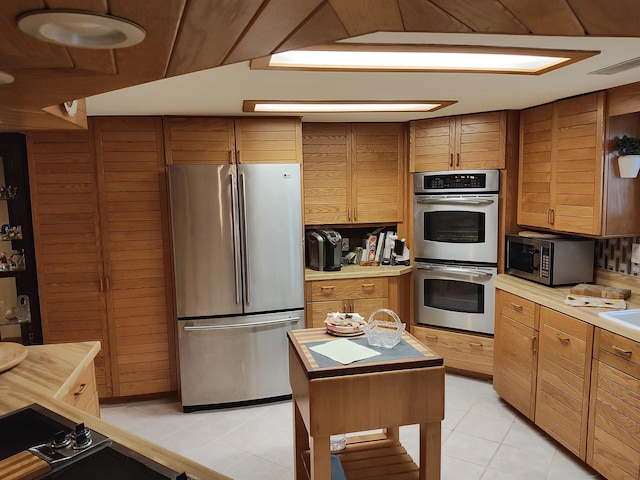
221 91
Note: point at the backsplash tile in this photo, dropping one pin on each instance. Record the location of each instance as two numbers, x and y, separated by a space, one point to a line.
614 254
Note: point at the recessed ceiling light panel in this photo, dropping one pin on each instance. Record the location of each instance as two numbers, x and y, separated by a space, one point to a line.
310 106
81 29
421 58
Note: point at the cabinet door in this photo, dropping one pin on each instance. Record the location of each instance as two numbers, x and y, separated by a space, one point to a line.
514 370
480 142
68 244
326 173
377 172
268 140
564 368
431 144
198 140
135 235
534 180
577 180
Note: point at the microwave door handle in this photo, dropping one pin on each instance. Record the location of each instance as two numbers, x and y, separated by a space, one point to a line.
535 254
454 201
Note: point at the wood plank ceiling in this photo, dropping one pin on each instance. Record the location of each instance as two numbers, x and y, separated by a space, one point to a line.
190 35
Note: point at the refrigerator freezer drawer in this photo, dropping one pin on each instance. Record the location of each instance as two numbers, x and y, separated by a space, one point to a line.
226 361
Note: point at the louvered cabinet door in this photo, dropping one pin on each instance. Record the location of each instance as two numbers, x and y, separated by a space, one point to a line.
129 157
432 144
481 141
199 140
326 165
577 184
534 180
67 243
377 172
268 140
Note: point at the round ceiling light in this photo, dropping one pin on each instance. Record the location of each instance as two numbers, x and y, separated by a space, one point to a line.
81 29
6 78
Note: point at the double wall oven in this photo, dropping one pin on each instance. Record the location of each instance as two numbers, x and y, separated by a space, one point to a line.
456 248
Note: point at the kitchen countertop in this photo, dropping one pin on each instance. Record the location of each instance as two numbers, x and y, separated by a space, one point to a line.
46 373
357 271
553 298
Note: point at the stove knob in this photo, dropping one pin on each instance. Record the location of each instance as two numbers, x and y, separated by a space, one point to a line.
60 440
82 437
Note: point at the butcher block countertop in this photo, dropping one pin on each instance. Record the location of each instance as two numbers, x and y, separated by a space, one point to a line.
553 298
356 271
46 373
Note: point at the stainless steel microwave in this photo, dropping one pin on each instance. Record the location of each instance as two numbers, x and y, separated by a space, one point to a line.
550 261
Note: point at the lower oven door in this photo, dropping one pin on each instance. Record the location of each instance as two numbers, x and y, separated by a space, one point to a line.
455 296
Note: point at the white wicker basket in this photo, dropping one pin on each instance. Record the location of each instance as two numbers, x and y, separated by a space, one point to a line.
381 333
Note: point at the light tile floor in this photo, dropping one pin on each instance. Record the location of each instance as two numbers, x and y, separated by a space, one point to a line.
482 437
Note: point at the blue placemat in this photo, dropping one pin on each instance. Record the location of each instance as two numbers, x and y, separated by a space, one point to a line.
401 351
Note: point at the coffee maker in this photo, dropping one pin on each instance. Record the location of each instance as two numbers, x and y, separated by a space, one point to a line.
324 250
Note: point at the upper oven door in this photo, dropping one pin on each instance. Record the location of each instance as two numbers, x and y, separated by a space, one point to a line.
456 227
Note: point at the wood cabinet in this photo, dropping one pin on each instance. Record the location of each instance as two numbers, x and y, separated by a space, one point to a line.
83 392
211 140
360 295
564 369
462 352
516 351
466 142
613 447
101 240
353 173
561 165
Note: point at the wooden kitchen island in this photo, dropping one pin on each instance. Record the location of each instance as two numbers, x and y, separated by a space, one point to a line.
380 393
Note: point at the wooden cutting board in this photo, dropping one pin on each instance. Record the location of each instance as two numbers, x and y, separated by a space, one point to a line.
600 291
11 354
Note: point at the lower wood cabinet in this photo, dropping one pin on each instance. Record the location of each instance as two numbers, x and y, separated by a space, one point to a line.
516 351
462 352
361 295
613 446
83 393
564 370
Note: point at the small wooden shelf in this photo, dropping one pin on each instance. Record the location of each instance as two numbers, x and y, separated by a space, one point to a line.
11 273
374 457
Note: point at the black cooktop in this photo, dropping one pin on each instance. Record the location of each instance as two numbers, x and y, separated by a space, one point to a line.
35 426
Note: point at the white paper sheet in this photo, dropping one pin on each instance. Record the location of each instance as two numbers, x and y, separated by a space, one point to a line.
344 351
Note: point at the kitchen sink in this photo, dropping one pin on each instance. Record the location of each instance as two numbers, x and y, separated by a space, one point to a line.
629 318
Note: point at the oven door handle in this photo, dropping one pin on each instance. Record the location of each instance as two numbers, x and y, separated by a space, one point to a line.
454 201
455 271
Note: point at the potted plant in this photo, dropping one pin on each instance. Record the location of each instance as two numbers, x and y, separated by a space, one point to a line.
629 156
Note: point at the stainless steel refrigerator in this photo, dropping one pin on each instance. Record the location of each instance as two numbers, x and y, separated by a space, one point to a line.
239 274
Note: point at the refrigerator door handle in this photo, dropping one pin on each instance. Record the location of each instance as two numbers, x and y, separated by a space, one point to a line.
245 250
194 328
236 246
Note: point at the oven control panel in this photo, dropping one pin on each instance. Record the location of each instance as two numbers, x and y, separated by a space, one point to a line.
470 181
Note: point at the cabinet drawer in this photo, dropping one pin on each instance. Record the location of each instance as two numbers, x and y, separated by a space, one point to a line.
517 308
349 288
471 353
364 307
618 351
83 393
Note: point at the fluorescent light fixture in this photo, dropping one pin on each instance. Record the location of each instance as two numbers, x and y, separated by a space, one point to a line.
6 78
325 106
429 58
81 29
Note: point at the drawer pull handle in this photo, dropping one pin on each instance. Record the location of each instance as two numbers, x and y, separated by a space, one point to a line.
83 387
475 345
368 286
326 287
622 352
534 344
563 340
517 306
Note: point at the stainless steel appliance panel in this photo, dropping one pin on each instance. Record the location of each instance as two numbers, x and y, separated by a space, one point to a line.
206 240
271 225
455 296
228 360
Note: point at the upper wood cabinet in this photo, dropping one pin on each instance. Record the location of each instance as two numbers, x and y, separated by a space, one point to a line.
465 142
353 173
561 166
211 140
103 251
